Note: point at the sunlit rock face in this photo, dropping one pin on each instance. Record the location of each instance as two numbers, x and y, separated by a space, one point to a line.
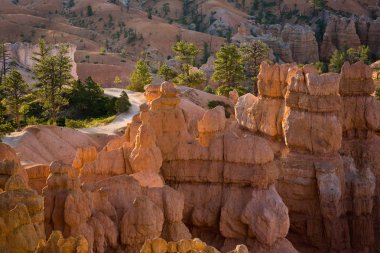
328 154
296 168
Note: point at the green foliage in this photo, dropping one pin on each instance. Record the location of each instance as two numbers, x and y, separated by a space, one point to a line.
206 52
336 61
318 4
15 91
377 93
193 79
185 52
209 89
166 9
214 103
90 122
140 77
53 75
122 103
72 123
90 12
352 55
224 90
254 53
102 51
70 3
86 99
228 67
167 73
5 126
117 80
4 61
321 66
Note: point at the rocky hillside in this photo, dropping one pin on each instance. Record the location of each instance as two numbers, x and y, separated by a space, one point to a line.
110 35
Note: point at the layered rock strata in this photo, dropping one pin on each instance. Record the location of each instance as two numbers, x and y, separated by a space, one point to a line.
328 166
229 193
361 152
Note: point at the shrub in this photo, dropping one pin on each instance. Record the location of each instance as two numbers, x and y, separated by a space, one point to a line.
86 99
209 89
122 104
224 90
72 123
377 93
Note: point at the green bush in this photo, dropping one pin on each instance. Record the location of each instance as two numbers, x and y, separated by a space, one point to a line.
122 104
72 123
214 103
86 99
224 90
377 93
209 89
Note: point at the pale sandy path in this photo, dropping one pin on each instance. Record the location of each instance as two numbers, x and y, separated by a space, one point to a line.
121 120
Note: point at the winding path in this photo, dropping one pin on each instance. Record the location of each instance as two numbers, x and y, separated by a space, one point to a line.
121 120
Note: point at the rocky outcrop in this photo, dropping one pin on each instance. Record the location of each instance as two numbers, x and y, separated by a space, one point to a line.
21 217
264 113
117 213
22 54
183 246
289 42
56 243
223 186
361 149
9 165
340 33
327 177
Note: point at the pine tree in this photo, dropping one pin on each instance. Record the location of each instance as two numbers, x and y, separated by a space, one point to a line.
167 73
140 77
185 53
193 79
53 73
4 58
253 54
336 61
166 9
90 12
15 91
228 66
122 103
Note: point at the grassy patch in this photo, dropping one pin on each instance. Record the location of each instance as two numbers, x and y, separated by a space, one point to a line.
91 122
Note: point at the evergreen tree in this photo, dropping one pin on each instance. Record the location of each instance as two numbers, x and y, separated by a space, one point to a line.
122 103
228 66
185 53
362 53
140 77
86 99
253 54
167 73
166 9
5 126
352 55
4 58
15 91
336 61
90 12
193 79
206 52
53 73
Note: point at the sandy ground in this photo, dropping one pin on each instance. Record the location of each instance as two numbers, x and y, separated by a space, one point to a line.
121 120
